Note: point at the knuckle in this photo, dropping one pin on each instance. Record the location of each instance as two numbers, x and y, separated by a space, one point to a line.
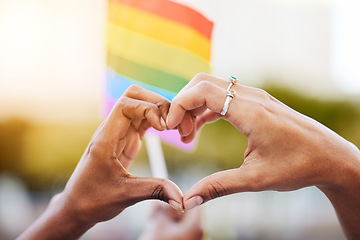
200 77
163 104
93 149
133 89
262 93
149 109
204 85
122 101
259 95
96 150
265 99
146 111
215 188
159 191
260 110
129 107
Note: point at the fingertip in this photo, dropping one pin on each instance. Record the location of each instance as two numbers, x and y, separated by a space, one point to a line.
167 122
187 139
190 137
175 116
170 123
200 122
193 202
173 192
162 123
177 206
156 188
153 117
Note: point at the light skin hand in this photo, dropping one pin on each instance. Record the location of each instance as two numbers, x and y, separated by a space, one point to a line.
286 150
100 188
165 224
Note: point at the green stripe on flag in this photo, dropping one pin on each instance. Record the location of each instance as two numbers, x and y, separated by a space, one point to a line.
145 74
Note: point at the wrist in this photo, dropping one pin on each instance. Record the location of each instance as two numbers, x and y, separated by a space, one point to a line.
57 222
345 174
70 225
345 193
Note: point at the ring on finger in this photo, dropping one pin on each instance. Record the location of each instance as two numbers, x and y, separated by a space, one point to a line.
229 95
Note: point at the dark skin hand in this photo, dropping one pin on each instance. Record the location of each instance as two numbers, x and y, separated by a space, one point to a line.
100 188
286 150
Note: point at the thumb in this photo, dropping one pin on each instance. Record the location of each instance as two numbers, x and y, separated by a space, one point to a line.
217 185
158 188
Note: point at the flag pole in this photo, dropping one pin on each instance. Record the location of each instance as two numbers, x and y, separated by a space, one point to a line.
156 155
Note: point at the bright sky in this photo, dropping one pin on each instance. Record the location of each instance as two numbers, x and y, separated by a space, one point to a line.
52 56
314 45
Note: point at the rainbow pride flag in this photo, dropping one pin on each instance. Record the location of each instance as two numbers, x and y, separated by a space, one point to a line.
157 44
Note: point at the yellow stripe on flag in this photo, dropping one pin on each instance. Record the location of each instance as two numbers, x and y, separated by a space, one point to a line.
160 29
144 50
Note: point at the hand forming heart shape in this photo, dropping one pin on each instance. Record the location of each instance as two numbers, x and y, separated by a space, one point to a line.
286 151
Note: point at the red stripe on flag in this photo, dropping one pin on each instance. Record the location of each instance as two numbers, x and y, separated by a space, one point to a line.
175 12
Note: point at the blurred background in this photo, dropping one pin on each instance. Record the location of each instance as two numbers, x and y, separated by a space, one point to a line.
306 53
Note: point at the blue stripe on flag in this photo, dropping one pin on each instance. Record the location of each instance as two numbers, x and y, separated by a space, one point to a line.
116 84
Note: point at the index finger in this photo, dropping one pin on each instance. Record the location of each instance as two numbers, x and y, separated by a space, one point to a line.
205 77
139 93
203 90
125 111
136 104
191 99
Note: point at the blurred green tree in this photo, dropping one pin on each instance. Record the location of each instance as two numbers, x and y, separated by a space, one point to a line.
222 147
343 117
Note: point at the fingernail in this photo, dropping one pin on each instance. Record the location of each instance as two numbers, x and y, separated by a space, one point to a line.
167 120
177 206
163 124
193 202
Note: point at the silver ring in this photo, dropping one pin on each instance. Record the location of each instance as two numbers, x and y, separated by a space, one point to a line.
229 95
232 80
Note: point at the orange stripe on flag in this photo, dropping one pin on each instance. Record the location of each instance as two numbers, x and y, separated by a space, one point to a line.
175 12
160 28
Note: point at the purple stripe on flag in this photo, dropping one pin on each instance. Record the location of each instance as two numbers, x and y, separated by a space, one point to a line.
172 137
109 104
